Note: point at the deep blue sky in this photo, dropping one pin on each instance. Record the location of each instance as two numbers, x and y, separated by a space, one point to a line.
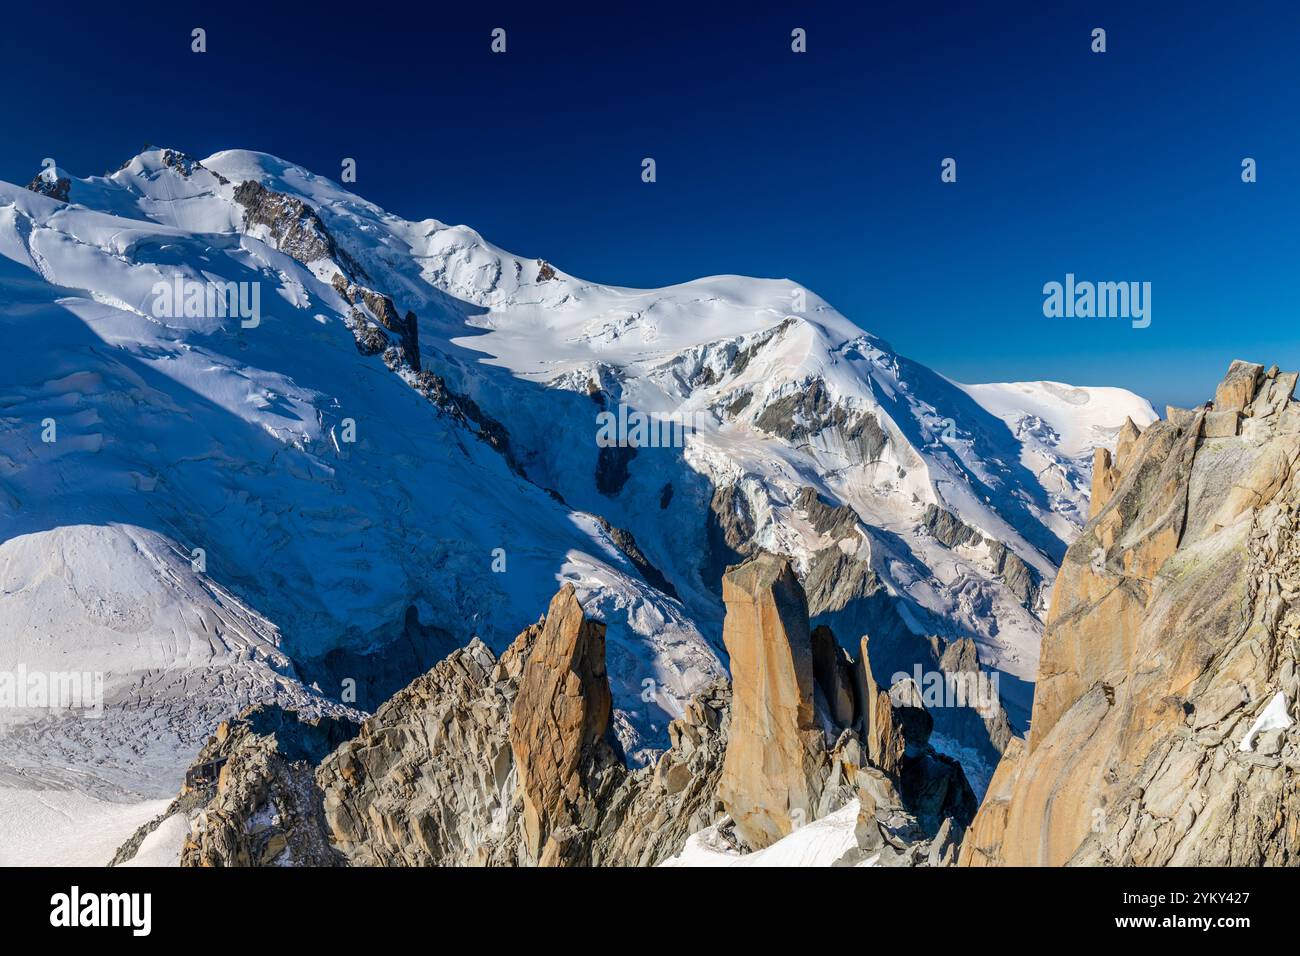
822 167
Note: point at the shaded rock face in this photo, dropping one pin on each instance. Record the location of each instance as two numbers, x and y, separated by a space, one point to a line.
833 673
897 730
373 678
466 411
1174 624
762 340
430 778
379 310
649 815
626 543
960 665
948 528
774 768
888 833
1022 580
729 533
612 464
848 597
837 521
884 735
933 786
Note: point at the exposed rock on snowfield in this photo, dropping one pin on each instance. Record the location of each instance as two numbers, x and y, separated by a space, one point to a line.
1173 629
381 310
291 224
50 183
1022 580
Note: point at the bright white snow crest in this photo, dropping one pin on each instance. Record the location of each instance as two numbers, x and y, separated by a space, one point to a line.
188 435
819 843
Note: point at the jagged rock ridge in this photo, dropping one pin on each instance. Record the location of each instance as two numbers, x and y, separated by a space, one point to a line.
511 761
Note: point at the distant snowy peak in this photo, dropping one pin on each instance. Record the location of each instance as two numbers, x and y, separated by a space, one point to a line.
1072 418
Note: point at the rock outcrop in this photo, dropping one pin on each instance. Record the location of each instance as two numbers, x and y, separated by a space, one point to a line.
1174 625
479 762
809 413
430 778
775 767
484 761
649 816
833 674
558 733
952 532
807 719
371 309
847 595
898 729
292 226
250 798
52 185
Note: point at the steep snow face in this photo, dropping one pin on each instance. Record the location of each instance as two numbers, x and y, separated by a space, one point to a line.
346 495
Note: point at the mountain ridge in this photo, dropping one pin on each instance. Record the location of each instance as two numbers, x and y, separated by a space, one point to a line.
231 439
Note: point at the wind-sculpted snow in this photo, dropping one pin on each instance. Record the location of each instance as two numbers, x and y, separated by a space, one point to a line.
341 502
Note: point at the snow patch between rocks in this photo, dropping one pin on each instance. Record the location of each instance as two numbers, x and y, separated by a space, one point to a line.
1273 717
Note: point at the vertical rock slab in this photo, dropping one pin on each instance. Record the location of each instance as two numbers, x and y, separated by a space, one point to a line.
1175 620
983 843
557 727
775 762
885 743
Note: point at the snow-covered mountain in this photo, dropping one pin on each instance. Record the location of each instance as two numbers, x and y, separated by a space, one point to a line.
401 450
